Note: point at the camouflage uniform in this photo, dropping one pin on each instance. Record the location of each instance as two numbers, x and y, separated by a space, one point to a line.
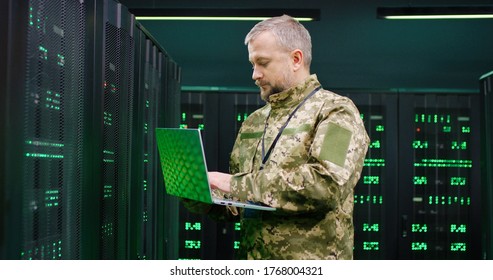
309 177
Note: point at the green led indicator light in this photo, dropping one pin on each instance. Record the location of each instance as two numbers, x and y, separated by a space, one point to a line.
241 117
183 126
237 226
107 191
201 126
459 146
31 22
60 60
236 245
370 227
458 247
50 250
380 162
466 129
113 88
375 144
144 184
458 228
419 228
417 144
371 245
147 104
431 118
458 181
183 117
419 246
194 226
52 198
368 199
461 163
39 155
420 180
107 118
53 100
38 21
447 129
44 53
449 200
371 180
192 244
380 128
107 230
44 144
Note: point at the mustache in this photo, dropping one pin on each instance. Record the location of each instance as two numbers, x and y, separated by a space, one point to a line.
260 84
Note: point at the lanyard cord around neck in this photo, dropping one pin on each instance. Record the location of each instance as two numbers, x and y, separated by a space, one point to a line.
265 156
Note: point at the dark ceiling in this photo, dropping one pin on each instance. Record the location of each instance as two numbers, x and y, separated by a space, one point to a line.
352 49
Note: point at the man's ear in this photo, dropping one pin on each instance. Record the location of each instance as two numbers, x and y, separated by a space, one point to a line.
297 59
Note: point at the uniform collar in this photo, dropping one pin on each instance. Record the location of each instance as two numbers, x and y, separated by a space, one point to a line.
294 94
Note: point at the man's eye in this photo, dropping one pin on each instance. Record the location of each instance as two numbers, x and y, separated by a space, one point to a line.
262 64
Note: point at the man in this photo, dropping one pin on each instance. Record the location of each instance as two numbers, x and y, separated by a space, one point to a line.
302 153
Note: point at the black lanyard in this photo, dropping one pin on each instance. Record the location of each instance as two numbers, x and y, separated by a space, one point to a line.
265 157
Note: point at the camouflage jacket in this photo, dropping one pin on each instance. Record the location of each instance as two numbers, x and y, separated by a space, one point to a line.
309 177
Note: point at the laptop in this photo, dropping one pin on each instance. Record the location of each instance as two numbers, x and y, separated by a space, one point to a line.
184 168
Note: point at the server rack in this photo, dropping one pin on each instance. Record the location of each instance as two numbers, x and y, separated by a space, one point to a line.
147 87
115 96
486 86
148 232
197 237
169 118
201 237
439 177
375 214
43 141
74 116
12 76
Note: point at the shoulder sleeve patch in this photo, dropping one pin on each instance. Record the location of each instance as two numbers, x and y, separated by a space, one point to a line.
336 144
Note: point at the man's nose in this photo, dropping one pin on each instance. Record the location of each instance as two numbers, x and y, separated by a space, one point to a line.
256 74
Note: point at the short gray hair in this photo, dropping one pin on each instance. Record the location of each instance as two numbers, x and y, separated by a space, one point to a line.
289 32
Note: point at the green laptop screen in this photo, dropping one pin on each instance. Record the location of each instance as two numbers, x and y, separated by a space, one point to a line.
182 163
